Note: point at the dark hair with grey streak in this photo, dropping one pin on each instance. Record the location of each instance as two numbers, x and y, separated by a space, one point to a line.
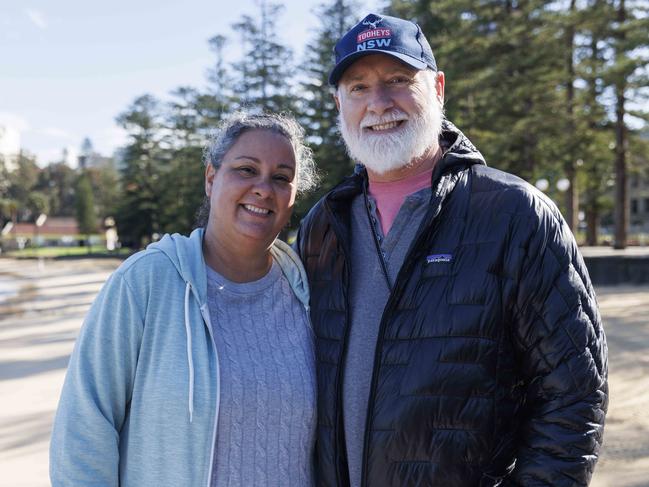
237 124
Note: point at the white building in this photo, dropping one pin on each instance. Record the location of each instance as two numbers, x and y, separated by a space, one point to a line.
9 146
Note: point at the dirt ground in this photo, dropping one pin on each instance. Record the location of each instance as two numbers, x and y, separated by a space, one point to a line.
624 461
42 306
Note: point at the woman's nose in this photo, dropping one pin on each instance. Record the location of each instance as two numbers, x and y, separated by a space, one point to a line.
262 187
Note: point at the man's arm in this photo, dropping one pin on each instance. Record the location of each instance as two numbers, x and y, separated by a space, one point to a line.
559 336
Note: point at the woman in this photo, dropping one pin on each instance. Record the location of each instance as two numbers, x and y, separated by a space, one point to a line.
195 364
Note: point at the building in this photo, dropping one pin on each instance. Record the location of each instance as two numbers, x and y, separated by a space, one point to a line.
54 231
88 158
638 193
9 146
639 203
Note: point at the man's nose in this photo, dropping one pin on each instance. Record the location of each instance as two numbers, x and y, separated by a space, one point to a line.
380 100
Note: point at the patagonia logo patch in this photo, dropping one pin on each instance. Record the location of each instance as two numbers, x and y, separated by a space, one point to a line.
439 258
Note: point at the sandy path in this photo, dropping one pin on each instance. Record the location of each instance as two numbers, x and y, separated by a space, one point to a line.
38 326
625 458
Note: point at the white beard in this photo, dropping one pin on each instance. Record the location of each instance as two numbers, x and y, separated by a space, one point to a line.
383 152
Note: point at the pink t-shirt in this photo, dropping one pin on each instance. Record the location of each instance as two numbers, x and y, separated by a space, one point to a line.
389 196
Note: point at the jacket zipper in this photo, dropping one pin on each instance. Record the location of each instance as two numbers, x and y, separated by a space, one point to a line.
339 376
430 227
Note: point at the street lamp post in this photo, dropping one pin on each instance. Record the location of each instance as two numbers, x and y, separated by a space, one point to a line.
37 225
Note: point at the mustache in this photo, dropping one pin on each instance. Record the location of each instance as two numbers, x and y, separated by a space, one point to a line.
392 116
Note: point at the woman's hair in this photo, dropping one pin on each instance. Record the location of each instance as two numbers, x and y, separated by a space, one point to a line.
229 131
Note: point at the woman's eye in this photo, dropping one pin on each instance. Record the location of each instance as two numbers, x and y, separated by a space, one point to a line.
246 170
282 178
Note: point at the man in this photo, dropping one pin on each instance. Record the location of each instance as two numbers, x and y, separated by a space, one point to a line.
458 338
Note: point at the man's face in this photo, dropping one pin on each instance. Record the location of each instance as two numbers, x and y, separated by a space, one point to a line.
390 114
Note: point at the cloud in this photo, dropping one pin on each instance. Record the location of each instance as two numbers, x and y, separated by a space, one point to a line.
54 132
69 154
37 17
109 139
46 156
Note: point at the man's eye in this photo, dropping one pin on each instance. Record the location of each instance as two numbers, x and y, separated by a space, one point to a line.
357 88
399 80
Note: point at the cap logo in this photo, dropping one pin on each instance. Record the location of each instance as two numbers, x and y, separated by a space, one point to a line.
372 25
373 34
373 44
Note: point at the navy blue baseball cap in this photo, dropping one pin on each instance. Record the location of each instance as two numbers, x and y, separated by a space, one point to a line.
382 34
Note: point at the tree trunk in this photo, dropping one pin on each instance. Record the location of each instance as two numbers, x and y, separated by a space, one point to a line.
621 206
572 200
592 217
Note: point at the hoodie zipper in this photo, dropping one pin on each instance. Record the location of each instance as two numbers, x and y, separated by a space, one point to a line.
206 318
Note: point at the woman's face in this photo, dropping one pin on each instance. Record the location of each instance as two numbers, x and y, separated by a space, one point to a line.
253 192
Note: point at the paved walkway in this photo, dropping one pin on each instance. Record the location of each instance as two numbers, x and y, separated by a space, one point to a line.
42 307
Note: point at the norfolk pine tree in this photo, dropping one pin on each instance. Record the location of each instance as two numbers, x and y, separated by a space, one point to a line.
85 208
138 214
318 113
183 178
263 77
628 74
501 68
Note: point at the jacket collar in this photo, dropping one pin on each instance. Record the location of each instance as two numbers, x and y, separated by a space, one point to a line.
458 151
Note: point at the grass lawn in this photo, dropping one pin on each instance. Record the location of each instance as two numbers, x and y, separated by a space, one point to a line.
53 252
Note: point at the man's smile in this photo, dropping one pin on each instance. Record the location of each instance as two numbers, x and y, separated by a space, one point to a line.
385 126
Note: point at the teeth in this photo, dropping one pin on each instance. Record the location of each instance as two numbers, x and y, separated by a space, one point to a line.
384 126
255 209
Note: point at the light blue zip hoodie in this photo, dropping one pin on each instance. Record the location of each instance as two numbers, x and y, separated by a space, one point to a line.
139 406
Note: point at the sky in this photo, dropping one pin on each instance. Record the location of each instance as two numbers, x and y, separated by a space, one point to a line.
70 67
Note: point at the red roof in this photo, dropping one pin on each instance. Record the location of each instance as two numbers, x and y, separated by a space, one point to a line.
52 226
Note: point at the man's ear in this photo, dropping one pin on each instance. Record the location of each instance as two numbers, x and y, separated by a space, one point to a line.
439 86
336 99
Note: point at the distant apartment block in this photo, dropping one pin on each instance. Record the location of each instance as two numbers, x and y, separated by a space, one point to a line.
9 146
639 203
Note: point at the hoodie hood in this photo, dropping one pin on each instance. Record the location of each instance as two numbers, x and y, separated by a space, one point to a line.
186 254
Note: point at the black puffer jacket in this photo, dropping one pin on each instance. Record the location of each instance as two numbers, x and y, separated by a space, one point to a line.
491 364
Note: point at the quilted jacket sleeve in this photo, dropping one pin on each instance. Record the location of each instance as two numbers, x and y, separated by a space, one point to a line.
559 336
